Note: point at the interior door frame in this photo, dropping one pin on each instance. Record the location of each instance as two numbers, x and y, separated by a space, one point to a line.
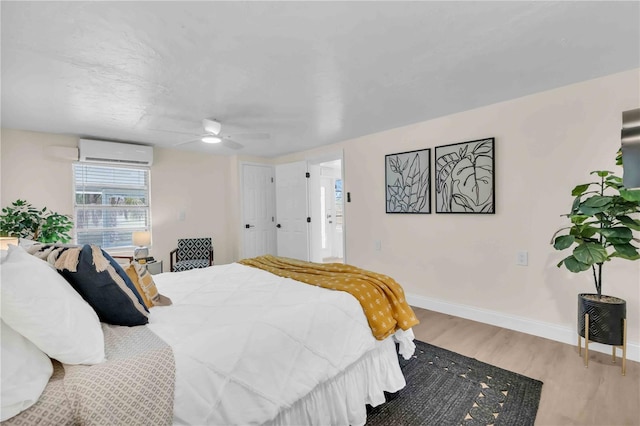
323 158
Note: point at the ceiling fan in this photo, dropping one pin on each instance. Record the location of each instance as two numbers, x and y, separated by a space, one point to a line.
212 135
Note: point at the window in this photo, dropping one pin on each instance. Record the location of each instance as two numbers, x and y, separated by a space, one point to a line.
111 203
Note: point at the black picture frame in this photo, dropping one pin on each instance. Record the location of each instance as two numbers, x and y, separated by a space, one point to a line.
465 177
408 182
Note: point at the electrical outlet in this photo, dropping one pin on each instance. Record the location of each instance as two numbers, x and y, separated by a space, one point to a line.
522 258
378 245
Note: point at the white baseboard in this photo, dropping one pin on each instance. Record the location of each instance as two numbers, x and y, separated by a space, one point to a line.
524 325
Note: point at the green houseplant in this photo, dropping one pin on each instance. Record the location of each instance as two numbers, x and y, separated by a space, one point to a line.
602 219
21 219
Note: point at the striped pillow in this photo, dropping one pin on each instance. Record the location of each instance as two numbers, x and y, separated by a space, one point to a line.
143 281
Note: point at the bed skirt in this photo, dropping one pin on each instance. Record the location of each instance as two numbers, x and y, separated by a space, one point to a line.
341 400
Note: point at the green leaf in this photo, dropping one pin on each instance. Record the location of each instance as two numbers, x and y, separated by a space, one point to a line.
578 218
614 241
592 211
564 241
601 173
585 231
619 233
595 204
625 251
575 205
579 190
629 222
574 265
590 253
630 194
614 179
597 201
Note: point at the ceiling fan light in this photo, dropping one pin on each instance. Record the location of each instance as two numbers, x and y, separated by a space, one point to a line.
211 139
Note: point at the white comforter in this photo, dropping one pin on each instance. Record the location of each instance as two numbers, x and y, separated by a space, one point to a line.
248 343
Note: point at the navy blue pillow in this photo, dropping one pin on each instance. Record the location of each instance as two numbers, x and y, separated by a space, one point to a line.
103 283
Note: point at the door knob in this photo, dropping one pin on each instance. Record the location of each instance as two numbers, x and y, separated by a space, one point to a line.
278 226
249 226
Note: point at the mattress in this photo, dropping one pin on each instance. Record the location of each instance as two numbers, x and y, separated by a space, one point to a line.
253 348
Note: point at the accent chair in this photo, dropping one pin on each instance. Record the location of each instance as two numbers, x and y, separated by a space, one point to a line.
191 253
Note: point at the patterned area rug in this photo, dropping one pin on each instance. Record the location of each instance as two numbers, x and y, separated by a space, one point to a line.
446 388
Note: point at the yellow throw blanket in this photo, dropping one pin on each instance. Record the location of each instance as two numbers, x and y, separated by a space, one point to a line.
381 298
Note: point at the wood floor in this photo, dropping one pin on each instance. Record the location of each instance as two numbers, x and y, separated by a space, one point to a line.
571 394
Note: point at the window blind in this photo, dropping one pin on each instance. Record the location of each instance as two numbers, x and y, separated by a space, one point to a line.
111 202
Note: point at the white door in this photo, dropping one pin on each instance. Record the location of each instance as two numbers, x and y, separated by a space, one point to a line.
258 211
292 210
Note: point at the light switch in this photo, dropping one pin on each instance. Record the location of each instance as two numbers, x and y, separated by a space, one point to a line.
523 258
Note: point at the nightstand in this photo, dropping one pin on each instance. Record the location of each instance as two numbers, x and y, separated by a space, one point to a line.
154 267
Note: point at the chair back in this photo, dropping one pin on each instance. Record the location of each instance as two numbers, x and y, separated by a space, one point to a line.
193 248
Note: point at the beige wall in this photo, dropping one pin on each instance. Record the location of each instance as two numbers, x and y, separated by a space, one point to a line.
35 167
545 145
197 185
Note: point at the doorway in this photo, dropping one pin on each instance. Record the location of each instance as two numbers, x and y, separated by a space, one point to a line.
294 210
327 205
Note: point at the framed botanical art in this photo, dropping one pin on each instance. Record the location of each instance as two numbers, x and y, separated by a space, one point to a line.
465 177
408 182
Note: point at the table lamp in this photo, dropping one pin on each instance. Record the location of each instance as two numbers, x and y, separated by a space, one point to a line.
141 239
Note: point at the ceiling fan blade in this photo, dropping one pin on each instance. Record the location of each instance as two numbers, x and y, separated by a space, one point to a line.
186 142
175 132
231 144
254 136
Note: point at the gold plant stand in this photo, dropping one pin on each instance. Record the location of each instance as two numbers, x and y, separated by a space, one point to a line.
613 347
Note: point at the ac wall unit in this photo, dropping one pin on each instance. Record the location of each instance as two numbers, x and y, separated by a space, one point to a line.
115 153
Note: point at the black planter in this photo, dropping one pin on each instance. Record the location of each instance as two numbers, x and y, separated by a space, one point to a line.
606 318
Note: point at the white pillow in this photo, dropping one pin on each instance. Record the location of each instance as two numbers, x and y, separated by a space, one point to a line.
25 372
25 243
39 304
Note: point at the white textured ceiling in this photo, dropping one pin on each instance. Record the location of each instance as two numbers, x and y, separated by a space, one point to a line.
307 73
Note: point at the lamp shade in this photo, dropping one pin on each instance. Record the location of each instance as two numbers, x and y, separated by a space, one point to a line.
141 238
5 241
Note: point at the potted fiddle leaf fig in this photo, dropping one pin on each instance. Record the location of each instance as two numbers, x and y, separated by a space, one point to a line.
603 218
22 220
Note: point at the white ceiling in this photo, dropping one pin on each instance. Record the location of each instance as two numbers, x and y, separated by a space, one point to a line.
307 73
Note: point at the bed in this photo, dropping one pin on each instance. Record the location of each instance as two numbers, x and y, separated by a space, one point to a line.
251 347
